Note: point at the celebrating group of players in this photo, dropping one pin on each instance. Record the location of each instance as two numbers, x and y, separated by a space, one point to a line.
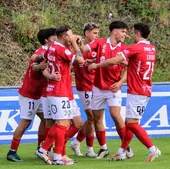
101 66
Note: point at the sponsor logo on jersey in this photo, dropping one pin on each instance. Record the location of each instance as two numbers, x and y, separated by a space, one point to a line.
67 52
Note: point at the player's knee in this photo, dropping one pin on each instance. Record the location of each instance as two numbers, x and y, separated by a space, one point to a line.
90 119
78 124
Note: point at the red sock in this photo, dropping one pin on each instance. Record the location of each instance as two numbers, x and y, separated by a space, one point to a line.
46 130
90 140
65 142
41 138
141 134
15 143
48 142
127 137
72 131
121 132
64 150
80 136
101 137
59 138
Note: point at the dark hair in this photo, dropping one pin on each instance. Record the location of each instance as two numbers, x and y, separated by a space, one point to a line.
90 27
143 29
45 34
62 29
117 25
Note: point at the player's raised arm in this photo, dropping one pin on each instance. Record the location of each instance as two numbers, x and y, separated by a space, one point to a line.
78 54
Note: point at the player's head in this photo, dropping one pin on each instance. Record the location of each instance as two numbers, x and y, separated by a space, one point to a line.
91 31
62 32
46 36
118 30
140 30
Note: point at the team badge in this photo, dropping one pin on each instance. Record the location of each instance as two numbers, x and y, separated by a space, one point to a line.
67 52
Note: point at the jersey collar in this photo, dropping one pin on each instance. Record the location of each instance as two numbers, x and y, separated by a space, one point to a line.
44 47
58 43
143 41
109 42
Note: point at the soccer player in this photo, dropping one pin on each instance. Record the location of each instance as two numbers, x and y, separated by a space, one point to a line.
29 95
76 121
59 59
141 56
39 56
107 84
84 84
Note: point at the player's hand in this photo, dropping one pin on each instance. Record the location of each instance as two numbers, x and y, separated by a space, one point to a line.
89 61
71 36
82 63
124 63
42 65
116 86
78 39
92 66
55 76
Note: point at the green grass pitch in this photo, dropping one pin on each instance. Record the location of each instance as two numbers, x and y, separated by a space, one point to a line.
26 152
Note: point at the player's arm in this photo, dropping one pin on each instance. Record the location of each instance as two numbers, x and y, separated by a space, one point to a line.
37 58
78 54
109 62
117 86
124 75
40 66
52 76
84 48
79 41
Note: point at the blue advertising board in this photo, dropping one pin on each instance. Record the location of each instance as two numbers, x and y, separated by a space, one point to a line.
156 119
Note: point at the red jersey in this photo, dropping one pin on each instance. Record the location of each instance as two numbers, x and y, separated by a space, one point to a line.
70 89
34 81
84 78
59 58
140 67
106 76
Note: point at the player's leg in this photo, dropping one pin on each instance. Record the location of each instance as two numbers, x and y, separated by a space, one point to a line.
41 135
76 127
61 113
114 101
100 133
135 108
28 108
98 106
49 122
89 130
18 133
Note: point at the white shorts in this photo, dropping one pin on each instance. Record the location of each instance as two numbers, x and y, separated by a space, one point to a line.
135 105
86 98
101 97
60 108
46 109
29 107
75 108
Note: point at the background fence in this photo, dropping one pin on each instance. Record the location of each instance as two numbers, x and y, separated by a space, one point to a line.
156 119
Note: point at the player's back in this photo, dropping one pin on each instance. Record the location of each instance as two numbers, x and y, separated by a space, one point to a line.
140 68
33 81
59 58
